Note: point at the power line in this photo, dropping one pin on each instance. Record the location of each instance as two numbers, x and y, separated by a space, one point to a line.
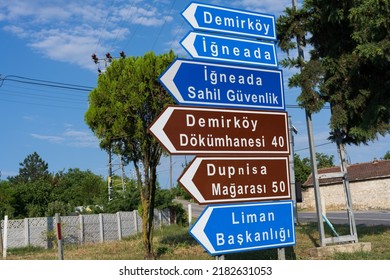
163 25
44 96
69 86
42 105
125 19
31 81
318 145
105 23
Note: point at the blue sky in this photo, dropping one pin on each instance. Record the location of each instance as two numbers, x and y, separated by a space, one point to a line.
54 40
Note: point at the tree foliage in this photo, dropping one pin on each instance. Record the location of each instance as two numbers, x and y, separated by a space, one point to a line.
63 192
35 192
302 166
32 168
349 65
126 101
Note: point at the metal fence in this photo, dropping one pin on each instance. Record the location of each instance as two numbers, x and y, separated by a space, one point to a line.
41 232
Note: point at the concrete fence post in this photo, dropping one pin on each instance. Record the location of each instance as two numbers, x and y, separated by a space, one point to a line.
26 232
119 223
5 236
160 218
135 221
81 233
101 228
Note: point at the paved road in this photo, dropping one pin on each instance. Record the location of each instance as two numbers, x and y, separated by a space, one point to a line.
369 218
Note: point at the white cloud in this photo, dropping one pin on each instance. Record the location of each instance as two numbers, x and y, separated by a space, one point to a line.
70 137
82 139
17 30
264 6
71 31
29 118
49 138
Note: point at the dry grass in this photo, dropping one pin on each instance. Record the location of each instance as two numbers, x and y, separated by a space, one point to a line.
174 243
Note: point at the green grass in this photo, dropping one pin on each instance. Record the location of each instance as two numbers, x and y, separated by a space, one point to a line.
174 243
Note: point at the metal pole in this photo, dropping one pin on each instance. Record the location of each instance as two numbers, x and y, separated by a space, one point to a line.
189 214
122 174
281 254
312 155
343 166
109 180
316 184
170 173
292 171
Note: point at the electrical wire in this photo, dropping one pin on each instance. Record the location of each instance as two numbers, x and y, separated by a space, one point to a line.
125 19
104 25
318 145
163 25
26 80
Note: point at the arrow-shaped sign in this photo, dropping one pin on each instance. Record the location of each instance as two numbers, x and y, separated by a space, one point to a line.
207 84
193 130
236 22
228 49
237 179
237 228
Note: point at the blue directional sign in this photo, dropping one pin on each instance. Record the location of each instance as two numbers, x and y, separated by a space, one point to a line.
228 49
236 22
219 85
237 228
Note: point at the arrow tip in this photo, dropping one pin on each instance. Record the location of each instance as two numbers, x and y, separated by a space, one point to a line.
188 44
197 230
189 15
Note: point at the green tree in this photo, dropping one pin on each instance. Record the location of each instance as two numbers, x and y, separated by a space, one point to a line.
31 188
124 104
179 192
349 66
31 199
128 200
302 168
32 168
324 160
387 156
77 187
6 199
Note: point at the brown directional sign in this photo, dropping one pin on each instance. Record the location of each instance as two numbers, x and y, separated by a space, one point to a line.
212 180
194 130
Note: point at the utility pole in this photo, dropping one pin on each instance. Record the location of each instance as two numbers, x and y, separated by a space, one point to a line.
313 160
292 131
109 178
106 62
170 173
121 166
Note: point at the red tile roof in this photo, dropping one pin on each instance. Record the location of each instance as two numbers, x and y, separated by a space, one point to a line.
356 172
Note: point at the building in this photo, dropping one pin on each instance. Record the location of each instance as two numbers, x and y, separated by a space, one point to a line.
369 187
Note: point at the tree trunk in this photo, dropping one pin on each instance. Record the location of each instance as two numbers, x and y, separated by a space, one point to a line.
148 197
147 229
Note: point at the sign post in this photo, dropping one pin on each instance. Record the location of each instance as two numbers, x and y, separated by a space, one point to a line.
190 130
226 49
236 228
221 85
242 152
236 22
213 180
